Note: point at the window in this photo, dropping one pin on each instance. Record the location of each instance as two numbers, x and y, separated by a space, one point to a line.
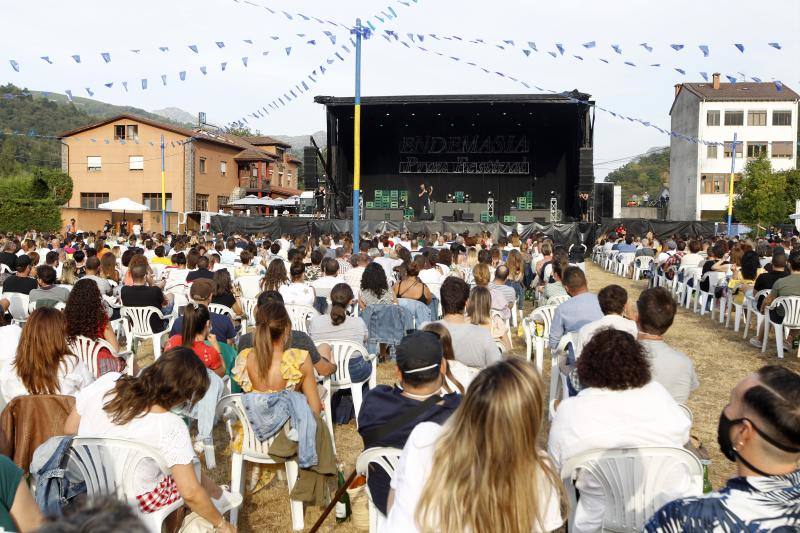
739 149
202 165
94 163
254 170
136 162
711 152
153 201
734 118
123 132
756 149
756 118
223 167
782 149
90 200
781 118
201 202
222 201
717 183
712 118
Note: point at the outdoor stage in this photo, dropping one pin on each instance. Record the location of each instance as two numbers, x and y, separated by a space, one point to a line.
495 155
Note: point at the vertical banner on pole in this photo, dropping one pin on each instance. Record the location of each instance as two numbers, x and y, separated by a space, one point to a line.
357 138
163 191
730 187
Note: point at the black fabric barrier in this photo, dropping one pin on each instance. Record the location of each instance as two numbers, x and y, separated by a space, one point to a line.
571 233
661 229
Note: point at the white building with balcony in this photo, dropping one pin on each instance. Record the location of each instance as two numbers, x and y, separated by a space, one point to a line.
764 120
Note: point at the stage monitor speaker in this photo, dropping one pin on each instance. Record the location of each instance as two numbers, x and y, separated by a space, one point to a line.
458 215
586 170
310 173
468 217
603 200
426 216
448 218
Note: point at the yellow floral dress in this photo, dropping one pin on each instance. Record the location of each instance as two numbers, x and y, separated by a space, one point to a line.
291 362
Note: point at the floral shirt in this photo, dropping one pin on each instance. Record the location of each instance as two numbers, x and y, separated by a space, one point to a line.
291 361
312 273
745 504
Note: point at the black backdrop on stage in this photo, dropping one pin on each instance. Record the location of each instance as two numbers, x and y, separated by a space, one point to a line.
572 233
661 229
506 144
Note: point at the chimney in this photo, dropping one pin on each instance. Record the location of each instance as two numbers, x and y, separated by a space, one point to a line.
677 89
715 81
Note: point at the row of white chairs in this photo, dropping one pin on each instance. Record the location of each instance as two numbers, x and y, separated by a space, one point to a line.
686 287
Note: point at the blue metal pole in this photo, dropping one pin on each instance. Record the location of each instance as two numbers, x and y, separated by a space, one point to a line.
730 187
163 191
357 138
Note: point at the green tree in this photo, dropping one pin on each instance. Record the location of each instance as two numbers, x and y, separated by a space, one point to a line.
644 174
763 195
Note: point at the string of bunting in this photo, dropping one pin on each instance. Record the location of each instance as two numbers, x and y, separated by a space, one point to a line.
531 47
34 134
566 94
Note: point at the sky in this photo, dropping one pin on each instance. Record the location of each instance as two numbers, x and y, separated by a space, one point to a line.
59 30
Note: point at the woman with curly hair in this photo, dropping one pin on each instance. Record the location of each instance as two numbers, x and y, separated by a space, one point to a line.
276 276
87 316
619 406
374 287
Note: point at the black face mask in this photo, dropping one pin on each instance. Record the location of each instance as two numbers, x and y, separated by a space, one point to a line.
726 446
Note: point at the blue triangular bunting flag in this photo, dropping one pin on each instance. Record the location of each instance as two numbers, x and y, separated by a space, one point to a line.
106 57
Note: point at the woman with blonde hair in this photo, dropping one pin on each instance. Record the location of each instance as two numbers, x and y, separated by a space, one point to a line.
479 310
513 487
69 272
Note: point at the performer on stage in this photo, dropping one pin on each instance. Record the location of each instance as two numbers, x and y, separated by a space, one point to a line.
425 194
319 199
583 205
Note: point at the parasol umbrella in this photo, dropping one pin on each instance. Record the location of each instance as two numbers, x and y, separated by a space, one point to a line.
250 199
124 205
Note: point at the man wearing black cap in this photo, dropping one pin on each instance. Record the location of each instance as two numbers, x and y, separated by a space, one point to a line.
389 414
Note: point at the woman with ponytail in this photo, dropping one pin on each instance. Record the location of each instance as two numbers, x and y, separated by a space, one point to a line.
195 332
140 408
339 326
268 366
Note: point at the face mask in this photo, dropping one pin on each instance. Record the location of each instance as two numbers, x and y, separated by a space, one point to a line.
726 446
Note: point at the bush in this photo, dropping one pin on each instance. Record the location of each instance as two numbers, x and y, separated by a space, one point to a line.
19 215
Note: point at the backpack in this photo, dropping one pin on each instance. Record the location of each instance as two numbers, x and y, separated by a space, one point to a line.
54 490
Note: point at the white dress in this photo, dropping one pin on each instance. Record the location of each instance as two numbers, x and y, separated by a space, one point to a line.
73 376
297 294
412 474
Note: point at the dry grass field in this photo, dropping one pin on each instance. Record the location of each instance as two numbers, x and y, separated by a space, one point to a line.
721 358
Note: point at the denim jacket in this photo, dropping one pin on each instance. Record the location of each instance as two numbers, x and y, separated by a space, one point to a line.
267 414
386 324
420 312
54 490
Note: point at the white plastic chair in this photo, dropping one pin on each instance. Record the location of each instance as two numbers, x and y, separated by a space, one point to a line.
228 312
543 314
624 261
341 353
88 349
751 310
558 382
300 315
557 300
387 459
109 466
18 308
249 311
136 323
253 451
249 286
636 482
5 269
680 288
641 264
694 288
735 309
791 320
713 279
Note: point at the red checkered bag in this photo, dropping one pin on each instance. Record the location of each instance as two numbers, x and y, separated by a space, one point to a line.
164 494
